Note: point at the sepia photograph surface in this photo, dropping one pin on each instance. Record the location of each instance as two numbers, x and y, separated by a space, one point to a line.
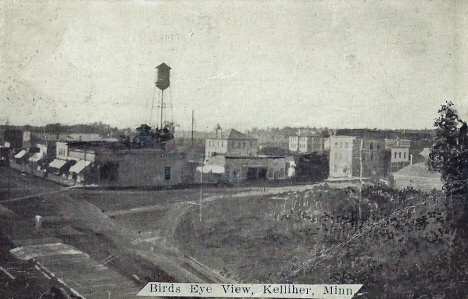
279 143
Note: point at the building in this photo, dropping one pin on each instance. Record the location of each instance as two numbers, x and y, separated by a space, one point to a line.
240 169
306 143
76 151
399 153
417 176
294 143
230 143
14 138
144 167
119 165
350 155
271 139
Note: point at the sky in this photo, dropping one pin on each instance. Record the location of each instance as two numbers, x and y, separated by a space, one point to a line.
242 64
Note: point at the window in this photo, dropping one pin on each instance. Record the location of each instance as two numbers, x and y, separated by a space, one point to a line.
244 144
167 173
371 146
395 155
404 155
399 155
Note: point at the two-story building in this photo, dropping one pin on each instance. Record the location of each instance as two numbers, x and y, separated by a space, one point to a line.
230 143
306 143
399 153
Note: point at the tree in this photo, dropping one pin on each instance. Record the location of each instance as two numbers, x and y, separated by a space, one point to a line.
312 167
449 154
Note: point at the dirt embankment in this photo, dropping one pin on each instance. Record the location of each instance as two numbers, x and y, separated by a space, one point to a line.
392 241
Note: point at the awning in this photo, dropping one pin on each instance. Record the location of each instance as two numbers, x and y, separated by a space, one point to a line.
215 164
211 169
57 163
20 154
79 166
36 157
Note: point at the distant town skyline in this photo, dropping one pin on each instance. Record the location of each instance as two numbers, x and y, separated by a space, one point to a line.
335 64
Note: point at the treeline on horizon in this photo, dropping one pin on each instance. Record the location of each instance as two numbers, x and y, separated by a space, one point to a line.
104 129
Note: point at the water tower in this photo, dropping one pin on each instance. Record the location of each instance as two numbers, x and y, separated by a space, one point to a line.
163 82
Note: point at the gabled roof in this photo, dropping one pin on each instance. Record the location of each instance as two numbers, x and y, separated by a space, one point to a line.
234 134
425 153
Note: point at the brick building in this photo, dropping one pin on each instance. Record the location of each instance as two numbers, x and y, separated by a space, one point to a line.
349 155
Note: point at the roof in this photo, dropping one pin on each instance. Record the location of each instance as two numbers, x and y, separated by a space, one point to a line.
234 134
80 137
57 163
163 67
215 164
36 157
425 153
417 170
397 143
20 154
79 166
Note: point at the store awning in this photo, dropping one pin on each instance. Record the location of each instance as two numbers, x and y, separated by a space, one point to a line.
57 163
214 164
20 154
36 157
79 166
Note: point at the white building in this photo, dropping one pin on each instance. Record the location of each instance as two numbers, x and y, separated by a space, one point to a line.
231 143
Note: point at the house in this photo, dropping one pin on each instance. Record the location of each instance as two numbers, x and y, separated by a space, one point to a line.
230 143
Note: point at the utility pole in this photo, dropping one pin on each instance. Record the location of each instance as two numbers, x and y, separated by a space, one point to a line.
201 187
360 170
193 122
